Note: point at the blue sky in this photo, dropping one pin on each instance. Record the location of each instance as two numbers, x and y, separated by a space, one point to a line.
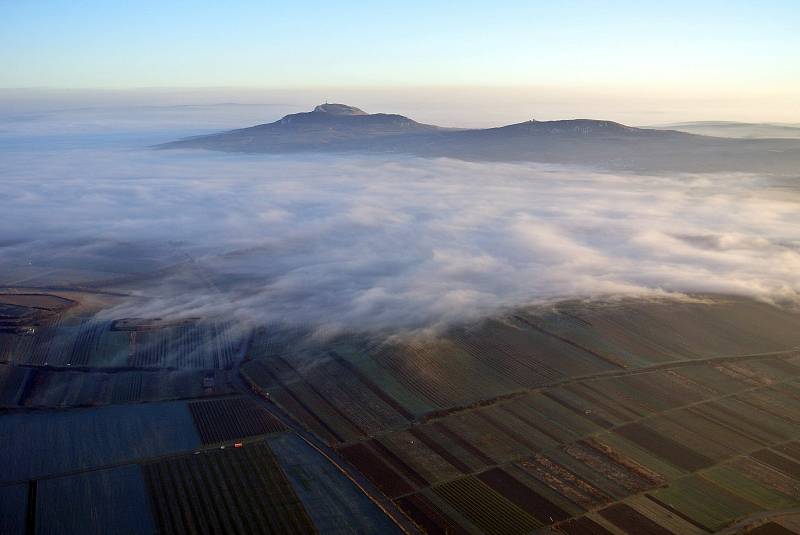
701 47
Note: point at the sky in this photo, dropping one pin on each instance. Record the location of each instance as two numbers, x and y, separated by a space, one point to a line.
87 86
696 51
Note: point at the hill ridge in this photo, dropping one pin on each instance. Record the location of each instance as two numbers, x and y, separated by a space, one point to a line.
595 143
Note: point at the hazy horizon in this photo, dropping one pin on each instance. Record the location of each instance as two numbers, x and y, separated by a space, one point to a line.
467 107
632 62
374 241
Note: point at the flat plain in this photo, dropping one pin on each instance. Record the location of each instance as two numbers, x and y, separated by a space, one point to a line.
620 416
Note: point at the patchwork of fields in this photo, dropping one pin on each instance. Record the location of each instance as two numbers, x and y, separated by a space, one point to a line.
62 356
90 444
219 466
623 417
38 444
604 417
70 341
24 386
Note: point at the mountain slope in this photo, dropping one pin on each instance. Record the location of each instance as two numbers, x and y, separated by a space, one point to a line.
595 143
327 126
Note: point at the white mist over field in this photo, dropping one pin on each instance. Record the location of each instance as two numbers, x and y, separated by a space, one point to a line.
370 242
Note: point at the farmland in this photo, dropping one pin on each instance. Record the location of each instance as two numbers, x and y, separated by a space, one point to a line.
225 491
138 426
48 330
230 418
624 417
620 417
79 342
20 312
48 443
33 387
175 486
97 502
13 509
332 502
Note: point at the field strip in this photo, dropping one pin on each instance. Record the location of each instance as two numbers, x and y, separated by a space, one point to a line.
754 520
436 415
359 480
701 471
301 432
199 450
71 289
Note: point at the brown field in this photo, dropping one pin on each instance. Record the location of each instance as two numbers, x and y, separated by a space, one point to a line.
35 300
427 516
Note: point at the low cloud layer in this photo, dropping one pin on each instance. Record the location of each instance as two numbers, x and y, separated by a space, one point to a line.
367 242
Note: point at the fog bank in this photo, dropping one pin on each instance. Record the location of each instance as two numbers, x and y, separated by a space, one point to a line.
370 242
